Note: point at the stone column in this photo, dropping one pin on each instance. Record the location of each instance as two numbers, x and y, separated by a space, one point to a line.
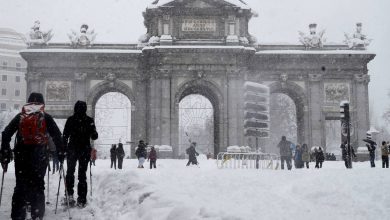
80 86
34 83
360 107
235 108
316 128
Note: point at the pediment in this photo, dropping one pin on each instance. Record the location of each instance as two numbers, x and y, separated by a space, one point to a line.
198 4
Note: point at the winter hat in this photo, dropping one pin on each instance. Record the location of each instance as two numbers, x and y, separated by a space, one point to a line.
80 108
36 98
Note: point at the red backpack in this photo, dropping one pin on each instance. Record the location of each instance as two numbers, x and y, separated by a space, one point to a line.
32 126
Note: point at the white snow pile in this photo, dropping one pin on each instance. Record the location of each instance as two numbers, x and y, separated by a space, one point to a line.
176 192
237 149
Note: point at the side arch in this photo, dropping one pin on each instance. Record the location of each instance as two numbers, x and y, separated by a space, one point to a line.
298 95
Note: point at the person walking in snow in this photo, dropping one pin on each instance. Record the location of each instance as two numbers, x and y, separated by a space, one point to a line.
305 155
120 154
78 132
385 154
152 157
298 157
192 154
141 153
113 155
320 157
285 153
32 127
53 154
371 149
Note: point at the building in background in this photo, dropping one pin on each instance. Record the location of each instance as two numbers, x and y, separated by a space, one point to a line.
12 70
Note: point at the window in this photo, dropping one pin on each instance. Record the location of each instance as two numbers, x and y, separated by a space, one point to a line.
17 92
16 106
4 78
3 91
5 65
3 106
18 67
17 78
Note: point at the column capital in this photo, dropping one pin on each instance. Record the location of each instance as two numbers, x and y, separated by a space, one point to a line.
315 77
33 76
362 78
80 76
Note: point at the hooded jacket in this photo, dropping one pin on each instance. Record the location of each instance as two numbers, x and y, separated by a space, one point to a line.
79 129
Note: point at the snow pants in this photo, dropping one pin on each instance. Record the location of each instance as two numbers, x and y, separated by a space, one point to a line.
141 162
113 162
288 162
385 161
372 159
83 157
153 164
30 168
120 162
192 161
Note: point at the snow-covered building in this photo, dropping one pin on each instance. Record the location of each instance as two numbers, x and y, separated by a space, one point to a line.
12 70
204 47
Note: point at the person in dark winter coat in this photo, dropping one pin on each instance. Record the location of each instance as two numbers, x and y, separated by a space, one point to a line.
78 132
371 149
385 154
113 155
305 155
30 152
192 154
298 157
153 158
320 157
141 153
120 154
285 152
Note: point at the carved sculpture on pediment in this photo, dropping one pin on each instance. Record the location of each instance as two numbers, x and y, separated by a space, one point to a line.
58 90
38 37
314 39
358 39
84 38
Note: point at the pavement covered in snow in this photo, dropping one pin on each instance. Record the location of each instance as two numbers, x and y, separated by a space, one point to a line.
175 192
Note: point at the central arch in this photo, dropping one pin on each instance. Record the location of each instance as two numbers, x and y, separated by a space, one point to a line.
297 94
210 91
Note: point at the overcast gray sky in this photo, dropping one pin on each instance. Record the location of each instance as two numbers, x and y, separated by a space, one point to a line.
279 21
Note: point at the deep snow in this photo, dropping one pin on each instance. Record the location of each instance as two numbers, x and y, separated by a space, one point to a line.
175 192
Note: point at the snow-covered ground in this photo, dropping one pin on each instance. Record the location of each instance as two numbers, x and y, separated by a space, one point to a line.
175 192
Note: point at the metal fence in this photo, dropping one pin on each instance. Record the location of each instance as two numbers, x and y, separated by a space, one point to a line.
226 160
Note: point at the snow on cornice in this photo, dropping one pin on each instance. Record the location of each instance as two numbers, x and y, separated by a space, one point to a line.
238 3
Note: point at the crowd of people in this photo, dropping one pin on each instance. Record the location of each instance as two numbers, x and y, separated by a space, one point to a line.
301 154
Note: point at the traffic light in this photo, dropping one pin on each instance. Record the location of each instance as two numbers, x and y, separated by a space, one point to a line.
344 110
256 108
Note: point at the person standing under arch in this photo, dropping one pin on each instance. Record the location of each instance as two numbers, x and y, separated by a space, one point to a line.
141 153
120 154
192 154
285 152
78 132
113 155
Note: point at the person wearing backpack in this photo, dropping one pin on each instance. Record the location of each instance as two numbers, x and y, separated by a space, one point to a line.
141 153
120 153
32 126
78 132
192 154
152 157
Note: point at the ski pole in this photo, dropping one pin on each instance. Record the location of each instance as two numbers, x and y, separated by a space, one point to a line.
2 181
90 175
58 191
48 183
66 193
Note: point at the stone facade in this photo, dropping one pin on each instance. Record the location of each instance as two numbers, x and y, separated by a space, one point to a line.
156 77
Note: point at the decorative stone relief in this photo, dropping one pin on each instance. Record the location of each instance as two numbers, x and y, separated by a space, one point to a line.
58 90
336 92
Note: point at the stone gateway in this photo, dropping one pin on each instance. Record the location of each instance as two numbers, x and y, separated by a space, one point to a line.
203 47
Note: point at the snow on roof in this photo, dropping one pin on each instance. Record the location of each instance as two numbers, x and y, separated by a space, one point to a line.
57 50
313 52
238 3
199 47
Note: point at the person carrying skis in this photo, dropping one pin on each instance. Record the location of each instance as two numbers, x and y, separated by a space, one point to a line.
78 132
192 154
141 153
113 155
120 153
33 127
152 157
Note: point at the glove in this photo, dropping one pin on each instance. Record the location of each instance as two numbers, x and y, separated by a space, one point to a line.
61 157
5 158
